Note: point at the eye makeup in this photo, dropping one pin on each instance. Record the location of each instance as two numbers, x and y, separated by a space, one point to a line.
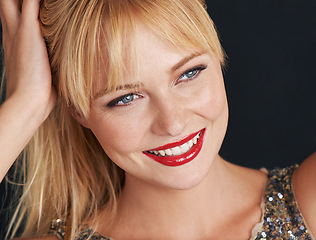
124 100
127 99
191 74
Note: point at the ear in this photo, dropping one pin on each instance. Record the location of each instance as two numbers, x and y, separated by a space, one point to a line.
78 116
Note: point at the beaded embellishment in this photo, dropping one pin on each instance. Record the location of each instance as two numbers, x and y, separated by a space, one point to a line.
282 218
58 228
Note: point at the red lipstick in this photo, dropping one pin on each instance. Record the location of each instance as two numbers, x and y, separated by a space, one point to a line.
178 160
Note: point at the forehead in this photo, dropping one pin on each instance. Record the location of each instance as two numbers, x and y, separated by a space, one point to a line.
142 49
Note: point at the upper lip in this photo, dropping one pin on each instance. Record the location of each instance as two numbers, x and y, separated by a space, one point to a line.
177 143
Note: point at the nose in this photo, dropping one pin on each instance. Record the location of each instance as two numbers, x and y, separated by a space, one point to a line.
170 117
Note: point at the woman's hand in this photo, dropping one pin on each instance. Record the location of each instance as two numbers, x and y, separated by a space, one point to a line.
30 95
27 66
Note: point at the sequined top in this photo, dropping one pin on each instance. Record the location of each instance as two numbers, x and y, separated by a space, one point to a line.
281 218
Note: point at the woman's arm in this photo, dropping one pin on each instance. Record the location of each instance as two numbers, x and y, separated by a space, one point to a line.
30 95
304 186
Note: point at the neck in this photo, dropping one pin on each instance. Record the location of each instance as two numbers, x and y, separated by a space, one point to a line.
148 196
193 211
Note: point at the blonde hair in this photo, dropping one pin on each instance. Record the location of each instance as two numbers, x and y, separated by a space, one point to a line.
68 174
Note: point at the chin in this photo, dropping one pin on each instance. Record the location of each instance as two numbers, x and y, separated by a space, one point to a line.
185 179
190 183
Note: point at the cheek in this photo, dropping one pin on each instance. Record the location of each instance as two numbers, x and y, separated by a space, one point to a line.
116 135
211 101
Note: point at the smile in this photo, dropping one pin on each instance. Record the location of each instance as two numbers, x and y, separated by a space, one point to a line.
178 153
178 150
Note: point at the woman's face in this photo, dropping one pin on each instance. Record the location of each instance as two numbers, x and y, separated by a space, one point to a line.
165 127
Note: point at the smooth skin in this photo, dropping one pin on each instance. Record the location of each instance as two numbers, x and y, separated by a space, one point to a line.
203 210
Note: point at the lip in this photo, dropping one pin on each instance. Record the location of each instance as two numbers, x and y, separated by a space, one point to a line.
178 160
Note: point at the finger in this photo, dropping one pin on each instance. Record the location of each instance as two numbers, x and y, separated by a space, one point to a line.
9 14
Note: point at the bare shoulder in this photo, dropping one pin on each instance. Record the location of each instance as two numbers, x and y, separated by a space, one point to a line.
50 237
304 182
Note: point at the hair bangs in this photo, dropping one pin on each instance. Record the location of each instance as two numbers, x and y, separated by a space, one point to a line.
185 24
100 46
117 55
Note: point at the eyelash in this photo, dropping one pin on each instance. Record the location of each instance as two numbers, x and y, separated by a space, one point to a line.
197 71
116 101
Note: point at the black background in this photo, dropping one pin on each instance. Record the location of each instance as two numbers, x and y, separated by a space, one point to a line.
270 81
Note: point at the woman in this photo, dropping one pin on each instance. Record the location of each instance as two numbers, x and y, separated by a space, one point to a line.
126 137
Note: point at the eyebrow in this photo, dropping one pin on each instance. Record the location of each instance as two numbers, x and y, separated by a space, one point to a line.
178 65
185 60
120 87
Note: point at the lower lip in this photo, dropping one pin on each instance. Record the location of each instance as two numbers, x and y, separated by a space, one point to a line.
174 161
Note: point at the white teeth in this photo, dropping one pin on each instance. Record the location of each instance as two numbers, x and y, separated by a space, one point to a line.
162 152
176 151
185 147
179 149
168 152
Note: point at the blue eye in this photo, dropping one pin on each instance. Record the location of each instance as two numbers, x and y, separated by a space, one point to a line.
188 75
127 98
192 73
123 100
